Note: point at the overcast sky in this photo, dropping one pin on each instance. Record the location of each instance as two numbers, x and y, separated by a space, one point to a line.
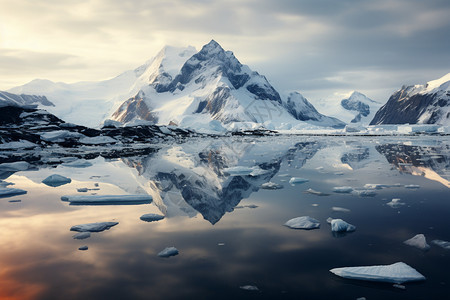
317 47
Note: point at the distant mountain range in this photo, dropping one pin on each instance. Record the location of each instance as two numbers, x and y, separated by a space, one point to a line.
210 89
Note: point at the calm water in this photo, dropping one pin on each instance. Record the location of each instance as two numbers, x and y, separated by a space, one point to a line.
230 232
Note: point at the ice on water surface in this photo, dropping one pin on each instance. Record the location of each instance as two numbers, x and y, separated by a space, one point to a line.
339 225
395 273
442 244
304 222
151 217
419 241
56 180
297 180
271 186
10 192
343 189
168 252
107 199
93 227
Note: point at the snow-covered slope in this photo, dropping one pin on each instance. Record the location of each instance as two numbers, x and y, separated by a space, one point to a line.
9 99
354 108
89 103
211 86
418 104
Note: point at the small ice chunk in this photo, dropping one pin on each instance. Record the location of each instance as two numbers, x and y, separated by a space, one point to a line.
395 203
412 186
97 140
399 286
93 227
314 192
443 244
82 190
340 209
79 163
343 189
375 186
418 241
304 222
395 273
107 199
168 252
56 180
339 173
249 288
83 248
14 166
221 244
82 235
151 217
297 180
364 193
257 171
15 201
271 186
10 192
339 225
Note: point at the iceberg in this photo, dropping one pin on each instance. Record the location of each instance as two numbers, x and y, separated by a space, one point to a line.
339 225
340 209
396 273
168 252
442 244
107 199
14 166
419 241
271 186
249 288
82 235
93 227
304 222
395 203
314 192
56 180
151 217
343 189
10 192
298 180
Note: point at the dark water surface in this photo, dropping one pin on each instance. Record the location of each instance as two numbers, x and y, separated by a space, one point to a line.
228 230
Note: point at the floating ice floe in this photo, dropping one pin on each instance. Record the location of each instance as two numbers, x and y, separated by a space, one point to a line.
56 180
15 201
107 199
340 209
395 203
10 192
97 140
304 222
376 186
412 186
246 206
314 192
168 252
82 235
364 193
79 163
4 184
297 180
238 171
343 189
249 288
271 186
14 166
339 225
395 273
83 248
93 227
419 241
22 144
82 190
151 217
442 244
399 286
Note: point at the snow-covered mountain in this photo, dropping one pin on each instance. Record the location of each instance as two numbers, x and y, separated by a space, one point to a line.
418 104
89 103
184 87
213 85
9 99
354 108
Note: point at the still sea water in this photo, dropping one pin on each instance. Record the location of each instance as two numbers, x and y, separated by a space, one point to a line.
228 230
